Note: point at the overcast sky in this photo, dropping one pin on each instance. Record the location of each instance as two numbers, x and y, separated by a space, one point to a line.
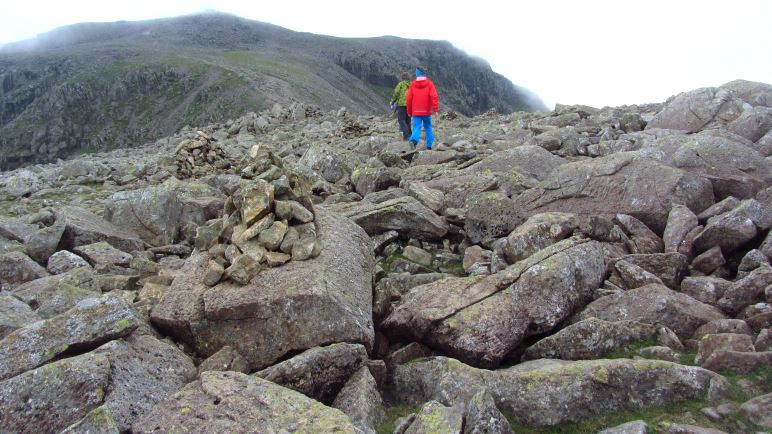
570 52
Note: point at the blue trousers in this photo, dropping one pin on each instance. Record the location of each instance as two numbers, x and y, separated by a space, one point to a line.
426 121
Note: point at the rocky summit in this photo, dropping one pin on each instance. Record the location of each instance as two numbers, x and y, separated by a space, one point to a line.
300 269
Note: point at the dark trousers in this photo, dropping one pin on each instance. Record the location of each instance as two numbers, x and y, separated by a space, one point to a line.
404 121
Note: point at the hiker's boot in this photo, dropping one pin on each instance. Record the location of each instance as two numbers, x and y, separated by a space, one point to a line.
413 144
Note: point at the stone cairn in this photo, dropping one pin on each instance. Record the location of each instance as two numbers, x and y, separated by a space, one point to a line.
267 222
199 156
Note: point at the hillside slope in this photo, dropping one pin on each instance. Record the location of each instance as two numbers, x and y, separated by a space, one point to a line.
98 86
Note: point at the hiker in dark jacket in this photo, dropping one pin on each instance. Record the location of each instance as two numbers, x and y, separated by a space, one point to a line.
399 103
422 102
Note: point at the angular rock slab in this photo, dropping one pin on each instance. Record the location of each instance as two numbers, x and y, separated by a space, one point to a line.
361 401
318 373
621 183
759 410
480 320
653 304
89 324
550 392
234 402
82 227
283 310
14 314
157 213
589 339
52 397
403 214
144 370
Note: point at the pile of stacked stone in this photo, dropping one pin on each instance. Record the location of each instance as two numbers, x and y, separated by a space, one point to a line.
199 156
351 128
267 222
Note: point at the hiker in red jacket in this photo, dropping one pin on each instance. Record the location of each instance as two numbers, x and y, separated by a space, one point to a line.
422 102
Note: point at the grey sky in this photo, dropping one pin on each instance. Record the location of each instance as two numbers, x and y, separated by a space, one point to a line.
571 52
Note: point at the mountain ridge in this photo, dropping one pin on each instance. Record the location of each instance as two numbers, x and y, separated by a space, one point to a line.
99 86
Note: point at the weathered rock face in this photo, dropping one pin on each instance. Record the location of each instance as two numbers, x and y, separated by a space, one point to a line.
548 392
83 227
158 213
622 183
361 401
653 304
403 214
733 168
480 320
330 163
14 314
17 268
330 298
89 324
234 402
318 373
52 397
143 371
538 232
589 339
696 110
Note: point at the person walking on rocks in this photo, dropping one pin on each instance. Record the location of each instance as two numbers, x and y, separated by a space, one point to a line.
422 102
399 103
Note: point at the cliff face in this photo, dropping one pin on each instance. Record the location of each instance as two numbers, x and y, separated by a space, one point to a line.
91 87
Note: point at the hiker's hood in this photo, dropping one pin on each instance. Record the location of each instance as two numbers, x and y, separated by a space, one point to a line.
421 82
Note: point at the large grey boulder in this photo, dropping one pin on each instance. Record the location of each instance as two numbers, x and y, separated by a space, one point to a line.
481 319
361 401
733 168
538 232
436 418
99 420
669 267
754 93
622 183
735 228
283 310
89 324
143 371
59 290
634 427
680 221
52 397
531 161
331 162
482 416
42 243
746 291
753 123
591 338
14 314
459 188
653 304
319 372
550 392
403 214
759 410
234 402
158 213
698 109
489 216
17 268
82 227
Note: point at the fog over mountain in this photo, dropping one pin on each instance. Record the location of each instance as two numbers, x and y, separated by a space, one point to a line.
99 86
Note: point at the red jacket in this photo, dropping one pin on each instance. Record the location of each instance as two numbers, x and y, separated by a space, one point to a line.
422 98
